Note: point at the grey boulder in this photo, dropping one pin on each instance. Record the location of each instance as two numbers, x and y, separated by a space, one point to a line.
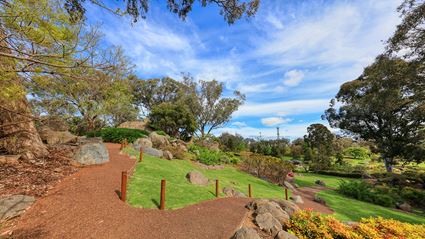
246 233
285 235
92 153
14 206
288 206
268 223
231 192
274 209
197 178
153 152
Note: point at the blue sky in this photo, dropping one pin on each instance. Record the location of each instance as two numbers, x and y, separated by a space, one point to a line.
289 60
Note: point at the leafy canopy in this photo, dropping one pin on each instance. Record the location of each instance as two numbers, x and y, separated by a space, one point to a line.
386 104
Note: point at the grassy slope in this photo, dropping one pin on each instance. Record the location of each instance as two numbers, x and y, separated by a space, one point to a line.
348 209
308 179
144 186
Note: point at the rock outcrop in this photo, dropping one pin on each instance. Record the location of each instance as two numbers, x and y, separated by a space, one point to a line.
158 141
231 192
246 233
269 218
52 137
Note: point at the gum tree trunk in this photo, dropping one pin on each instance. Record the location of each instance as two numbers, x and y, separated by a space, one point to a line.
18 134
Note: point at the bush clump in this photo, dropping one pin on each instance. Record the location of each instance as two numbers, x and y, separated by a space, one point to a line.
118 135
206 156
311 225
381 194
267 167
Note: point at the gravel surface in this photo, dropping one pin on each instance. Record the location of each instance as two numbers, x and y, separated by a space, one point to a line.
86 205
307 194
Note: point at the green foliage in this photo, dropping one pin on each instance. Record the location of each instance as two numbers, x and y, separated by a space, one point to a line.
318 146
230 142
275 148
385 105
174 119
360 153
231 10
117 135
381 195
206 156
160 132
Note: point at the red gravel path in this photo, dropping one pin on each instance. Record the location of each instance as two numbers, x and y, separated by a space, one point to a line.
85 205
307 194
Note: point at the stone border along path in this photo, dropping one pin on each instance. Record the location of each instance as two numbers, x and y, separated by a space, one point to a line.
85 205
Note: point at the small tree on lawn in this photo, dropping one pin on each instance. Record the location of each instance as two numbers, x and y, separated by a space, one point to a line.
320 141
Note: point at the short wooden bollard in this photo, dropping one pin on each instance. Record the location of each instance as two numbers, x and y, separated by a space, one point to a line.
141 155
286 194
249 190
162 199
123 185
216 188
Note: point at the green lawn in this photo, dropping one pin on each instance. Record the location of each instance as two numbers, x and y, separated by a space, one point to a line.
348 209
308 179
144 186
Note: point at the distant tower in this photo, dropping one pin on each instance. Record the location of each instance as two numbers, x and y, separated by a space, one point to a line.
260 135
277 128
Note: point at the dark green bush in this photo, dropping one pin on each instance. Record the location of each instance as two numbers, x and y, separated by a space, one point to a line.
381 195
117 135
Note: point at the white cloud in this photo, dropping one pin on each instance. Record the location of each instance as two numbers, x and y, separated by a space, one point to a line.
293 78
342 32
274 21
283 108
239 124
272 121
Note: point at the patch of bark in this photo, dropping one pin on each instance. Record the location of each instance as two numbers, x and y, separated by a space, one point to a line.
36 177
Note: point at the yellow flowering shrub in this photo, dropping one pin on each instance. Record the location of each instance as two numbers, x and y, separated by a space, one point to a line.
307 224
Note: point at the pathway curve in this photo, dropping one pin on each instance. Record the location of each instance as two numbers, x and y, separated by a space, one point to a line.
85 205
307 194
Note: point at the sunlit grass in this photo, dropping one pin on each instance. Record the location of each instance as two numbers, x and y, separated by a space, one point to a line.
144 186
309 179
348 209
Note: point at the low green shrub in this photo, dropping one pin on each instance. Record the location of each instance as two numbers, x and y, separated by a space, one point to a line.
208 157
382 194
117 135
341 174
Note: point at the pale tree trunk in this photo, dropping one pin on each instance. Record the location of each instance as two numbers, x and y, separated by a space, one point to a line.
18 134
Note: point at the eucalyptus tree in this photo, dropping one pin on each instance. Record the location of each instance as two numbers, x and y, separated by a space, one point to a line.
386 105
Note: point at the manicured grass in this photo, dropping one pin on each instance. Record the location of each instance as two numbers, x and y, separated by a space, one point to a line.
308 179
144 186
348 209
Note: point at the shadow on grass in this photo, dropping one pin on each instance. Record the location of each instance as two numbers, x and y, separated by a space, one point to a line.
155 202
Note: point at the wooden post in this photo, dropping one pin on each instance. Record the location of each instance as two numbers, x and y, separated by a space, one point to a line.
286 194
216 188
123 185
141 155
162 200
249 190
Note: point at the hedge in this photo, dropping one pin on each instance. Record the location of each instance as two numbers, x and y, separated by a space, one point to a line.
117 135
